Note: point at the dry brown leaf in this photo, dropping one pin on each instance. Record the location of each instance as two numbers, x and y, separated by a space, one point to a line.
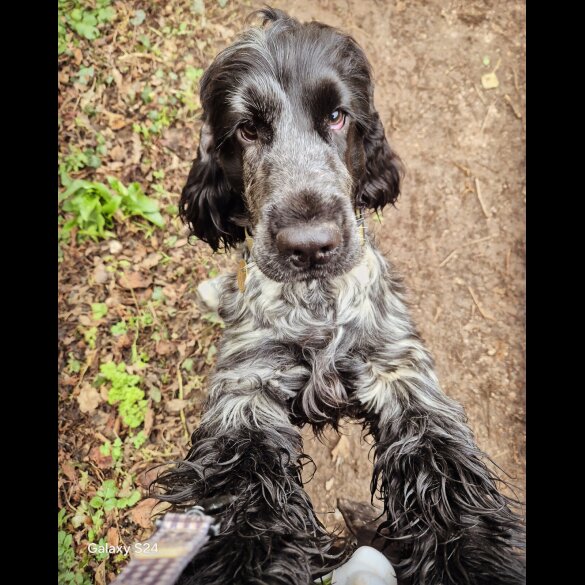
68 470
100 574
151 260
101 460
141 513
342 450
176 405
117 153
88 398
100 274
116 121
113 537
132 280
136 149
164 347
148 421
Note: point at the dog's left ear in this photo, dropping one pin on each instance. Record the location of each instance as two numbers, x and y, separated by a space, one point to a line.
380 183
208 203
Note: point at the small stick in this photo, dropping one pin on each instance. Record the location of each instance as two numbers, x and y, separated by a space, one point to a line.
483 312
485 239
182 411
478 192
513 106
129 56
449 257
481 97
437 314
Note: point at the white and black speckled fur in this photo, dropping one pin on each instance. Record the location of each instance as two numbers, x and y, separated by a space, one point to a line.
311 352
308 349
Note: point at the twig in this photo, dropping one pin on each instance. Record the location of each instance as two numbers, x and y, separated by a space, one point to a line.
478 192
437 314
449 257
483 312
182 411
481 97
477 241
513 106
129 56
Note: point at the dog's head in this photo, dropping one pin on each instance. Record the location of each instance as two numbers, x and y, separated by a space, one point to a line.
291 145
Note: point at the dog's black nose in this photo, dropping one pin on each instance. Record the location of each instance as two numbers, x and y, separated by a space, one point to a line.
309 244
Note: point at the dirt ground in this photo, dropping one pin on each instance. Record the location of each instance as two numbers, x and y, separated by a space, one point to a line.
457 236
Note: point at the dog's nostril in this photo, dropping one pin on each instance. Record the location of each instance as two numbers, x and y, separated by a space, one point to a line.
308 243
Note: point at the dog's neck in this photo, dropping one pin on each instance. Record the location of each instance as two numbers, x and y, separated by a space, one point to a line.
315 303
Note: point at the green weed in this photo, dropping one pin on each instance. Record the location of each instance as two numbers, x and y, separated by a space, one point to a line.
124 392
94 207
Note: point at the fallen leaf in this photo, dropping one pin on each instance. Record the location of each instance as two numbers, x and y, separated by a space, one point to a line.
164 347
148 421
176 405
100 574
132 280
136 149
68 470
113 537
101 460
116 121
342 450
88 398
151 260
117 153
142 513
490 80
100 274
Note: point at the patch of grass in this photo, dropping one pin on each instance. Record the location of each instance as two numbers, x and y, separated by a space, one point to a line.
85 21
125 392
93 207
76 160
107 499
69 572
98 310
113 449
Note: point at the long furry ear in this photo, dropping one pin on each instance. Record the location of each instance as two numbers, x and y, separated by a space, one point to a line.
380 183
208 202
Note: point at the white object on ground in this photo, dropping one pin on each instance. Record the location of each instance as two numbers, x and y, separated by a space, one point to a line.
367 566
208 293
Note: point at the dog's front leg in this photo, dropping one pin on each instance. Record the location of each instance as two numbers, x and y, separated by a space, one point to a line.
247 454
440 499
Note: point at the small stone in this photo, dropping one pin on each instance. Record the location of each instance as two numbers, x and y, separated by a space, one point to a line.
329 484
100 274
115 247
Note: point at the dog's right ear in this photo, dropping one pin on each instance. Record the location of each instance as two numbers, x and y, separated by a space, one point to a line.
207 201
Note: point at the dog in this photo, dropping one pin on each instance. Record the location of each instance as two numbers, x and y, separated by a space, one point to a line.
292 153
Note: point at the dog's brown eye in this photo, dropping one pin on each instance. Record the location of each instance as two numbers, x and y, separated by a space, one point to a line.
248 132
336 119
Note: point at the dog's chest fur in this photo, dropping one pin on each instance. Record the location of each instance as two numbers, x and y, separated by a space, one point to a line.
310 341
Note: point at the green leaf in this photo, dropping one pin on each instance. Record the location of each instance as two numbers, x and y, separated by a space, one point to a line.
139 16
96 502
85 74
109 488
110 504
106 14
99 310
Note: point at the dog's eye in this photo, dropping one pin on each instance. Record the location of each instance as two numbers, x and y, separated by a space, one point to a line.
248 132
336 119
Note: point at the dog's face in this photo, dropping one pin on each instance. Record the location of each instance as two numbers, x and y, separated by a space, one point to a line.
290 147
